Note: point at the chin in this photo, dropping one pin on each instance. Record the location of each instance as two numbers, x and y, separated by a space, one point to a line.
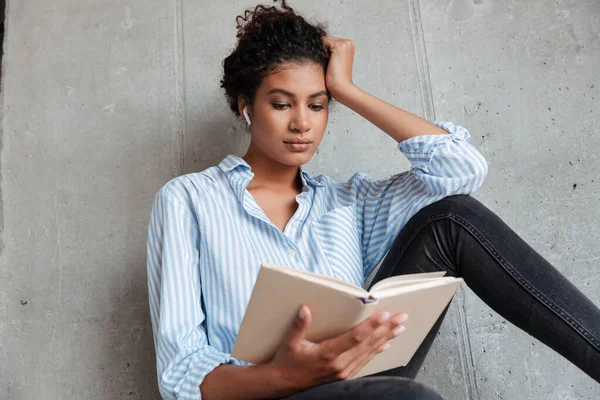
298 158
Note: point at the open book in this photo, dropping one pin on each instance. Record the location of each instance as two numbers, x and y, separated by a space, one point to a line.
336 307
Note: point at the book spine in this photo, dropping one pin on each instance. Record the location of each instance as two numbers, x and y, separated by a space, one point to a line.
369 306
367 300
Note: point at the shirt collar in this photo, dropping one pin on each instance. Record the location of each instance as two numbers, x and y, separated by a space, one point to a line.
233 164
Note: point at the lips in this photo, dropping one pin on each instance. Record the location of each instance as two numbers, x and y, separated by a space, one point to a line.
297 141
298 144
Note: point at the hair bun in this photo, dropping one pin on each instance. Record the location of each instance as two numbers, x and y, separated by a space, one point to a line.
251 20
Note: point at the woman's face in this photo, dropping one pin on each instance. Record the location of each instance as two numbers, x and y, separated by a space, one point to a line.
292 97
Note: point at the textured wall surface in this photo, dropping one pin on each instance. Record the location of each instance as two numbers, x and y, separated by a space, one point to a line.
104 101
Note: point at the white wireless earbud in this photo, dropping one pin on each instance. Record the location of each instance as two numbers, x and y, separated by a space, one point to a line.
245 111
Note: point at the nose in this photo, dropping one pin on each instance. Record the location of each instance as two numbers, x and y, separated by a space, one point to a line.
300 122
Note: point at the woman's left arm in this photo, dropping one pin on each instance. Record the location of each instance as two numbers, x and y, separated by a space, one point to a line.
394 121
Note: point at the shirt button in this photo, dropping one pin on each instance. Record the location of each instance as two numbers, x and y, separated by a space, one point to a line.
292 252
295 224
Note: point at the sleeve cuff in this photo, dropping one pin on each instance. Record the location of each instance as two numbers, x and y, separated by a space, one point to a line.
420 149
189 386
237 361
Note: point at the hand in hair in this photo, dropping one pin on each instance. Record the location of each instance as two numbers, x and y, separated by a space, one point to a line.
339 69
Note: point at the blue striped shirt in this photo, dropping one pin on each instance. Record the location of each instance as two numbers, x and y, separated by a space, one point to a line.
207 237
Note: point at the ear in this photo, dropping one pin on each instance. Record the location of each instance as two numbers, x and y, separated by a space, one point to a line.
241 104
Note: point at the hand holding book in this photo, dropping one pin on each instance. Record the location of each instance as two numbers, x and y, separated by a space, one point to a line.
337 310
300 363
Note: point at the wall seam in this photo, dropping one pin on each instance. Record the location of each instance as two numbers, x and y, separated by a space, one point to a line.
465 349
180 97
3 300
416 25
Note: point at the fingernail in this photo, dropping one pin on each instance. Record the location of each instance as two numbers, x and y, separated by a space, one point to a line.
401 319
399 330
301 313
385 346
384 317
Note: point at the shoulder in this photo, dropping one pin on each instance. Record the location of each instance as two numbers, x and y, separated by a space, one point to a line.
190 188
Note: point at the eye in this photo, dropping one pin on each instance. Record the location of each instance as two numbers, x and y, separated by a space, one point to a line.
281 106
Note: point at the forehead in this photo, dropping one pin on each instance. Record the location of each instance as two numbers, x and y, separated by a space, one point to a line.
301 80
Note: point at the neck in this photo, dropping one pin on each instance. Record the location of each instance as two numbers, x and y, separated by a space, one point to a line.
270 173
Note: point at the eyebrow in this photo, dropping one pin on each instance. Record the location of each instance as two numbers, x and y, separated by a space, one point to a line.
282 91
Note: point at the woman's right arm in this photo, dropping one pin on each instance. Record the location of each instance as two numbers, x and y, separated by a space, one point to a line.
183 354
188 367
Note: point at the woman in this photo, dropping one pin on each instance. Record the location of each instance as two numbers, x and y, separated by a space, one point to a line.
209 231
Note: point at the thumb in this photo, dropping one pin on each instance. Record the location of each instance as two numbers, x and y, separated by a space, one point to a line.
298 331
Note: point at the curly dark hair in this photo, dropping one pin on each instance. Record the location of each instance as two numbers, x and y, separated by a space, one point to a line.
268 38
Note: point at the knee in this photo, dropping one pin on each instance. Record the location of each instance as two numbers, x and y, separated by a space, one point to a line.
462 205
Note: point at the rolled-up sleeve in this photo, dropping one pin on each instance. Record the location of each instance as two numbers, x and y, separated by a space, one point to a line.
441 165
183 355
447 163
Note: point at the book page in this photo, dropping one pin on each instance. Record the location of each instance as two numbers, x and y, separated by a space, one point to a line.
397 284
398 279
413 286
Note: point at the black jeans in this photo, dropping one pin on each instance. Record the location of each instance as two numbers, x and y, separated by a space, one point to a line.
460 235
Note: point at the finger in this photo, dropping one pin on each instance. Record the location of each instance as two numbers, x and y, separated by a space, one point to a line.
355 367
357 363
367 353
329 41
378 347
355 336
396 323
297 332
368 347
387 331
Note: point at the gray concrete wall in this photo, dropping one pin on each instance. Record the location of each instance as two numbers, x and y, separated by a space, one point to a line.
103 102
